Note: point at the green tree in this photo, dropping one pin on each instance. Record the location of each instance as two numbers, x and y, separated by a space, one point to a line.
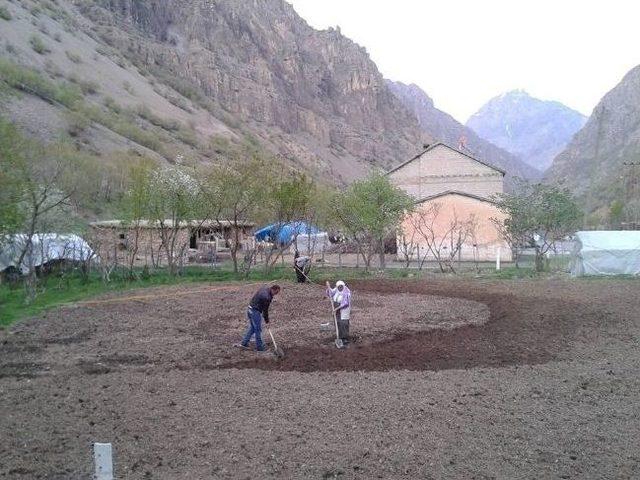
537 216
369 211
11 182
234 192
289 199
37 196
135 205
172 204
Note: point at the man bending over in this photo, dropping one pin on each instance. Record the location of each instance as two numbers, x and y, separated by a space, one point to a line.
258 310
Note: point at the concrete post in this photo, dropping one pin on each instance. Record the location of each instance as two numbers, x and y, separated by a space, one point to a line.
498 258
102 457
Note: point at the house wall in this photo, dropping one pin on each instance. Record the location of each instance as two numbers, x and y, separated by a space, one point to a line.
486 238
108 244
441 169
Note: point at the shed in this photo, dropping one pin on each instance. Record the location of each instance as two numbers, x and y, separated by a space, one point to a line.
608 252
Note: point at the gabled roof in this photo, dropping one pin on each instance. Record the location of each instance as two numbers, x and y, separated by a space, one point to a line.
456 192
437 144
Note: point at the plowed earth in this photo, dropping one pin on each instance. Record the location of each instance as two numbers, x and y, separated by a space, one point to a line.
445 378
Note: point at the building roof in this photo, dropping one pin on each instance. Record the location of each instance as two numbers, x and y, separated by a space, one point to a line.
455 192
437 144
169 224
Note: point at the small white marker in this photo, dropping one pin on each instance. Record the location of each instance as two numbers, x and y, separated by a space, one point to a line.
102 457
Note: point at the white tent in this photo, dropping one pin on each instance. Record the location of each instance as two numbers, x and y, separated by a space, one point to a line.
606 253
45 247
312 244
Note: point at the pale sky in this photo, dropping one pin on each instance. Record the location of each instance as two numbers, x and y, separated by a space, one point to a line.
464 52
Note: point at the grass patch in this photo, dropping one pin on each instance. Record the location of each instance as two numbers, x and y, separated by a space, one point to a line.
166 124
38 45
70 288
30 81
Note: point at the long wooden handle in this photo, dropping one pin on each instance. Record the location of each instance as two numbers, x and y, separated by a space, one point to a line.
275 345
335 318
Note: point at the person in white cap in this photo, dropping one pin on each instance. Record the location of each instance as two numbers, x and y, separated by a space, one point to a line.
341 297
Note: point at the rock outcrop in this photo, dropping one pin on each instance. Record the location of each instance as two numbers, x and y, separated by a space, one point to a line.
260 62
593 164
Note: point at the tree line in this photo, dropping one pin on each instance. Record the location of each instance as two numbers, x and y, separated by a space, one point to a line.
56 188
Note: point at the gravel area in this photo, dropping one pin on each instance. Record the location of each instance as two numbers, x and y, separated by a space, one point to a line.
538 379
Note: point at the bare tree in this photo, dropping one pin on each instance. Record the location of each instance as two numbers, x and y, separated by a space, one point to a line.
407 246
444 239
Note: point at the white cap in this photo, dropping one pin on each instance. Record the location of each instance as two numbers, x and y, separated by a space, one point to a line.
340 283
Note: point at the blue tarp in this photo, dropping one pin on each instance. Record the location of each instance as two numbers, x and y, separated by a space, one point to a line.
283 233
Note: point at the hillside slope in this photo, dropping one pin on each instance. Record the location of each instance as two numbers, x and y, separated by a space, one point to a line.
532 129
592 165
226 70
445 128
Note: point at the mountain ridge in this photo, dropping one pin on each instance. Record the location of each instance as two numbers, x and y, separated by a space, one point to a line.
593 164
443 127
532 129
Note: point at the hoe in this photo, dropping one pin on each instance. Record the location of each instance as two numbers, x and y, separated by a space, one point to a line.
339 343
277 351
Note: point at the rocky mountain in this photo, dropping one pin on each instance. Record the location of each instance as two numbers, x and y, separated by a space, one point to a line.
445 128
532 129
593 164
200 75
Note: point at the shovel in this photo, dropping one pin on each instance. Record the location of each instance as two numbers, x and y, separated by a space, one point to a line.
278 352
339 342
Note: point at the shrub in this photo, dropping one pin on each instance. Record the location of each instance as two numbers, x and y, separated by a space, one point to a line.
187 136
38 45
111 104
57 37
77 123
166 124
88 87
127 86
4 13
74 57
30 81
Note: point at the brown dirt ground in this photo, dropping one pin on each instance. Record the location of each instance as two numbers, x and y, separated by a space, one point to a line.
446 378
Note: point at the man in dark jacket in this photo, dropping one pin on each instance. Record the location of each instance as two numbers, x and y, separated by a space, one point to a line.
302 267
258 309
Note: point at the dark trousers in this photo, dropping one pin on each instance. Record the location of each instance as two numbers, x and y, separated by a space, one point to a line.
255 328
343 325
300 275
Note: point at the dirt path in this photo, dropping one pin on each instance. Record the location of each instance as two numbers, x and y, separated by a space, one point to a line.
446 379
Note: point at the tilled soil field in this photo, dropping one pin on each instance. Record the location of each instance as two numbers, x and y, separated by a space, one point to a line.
444 379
